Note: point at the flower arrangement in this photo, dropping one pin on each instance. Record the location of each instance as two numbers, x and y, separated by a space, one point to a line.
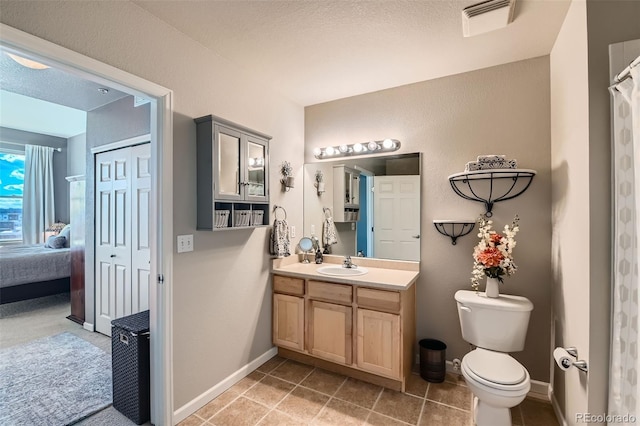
286 170
319 176
493 256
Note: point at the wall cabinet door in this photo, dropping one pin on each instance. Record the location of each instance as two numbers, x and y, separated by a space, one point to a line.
288 321
330 331
378 342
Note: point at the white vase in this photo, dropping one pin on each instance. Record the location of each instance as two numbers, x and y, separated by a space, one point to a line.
492 288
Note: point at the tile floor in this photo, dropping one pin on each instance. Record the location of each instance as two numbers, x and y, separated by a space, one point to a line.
286 393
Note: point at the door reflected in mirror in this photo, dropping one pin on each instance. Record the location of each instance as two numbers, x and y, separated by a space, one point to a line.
371 205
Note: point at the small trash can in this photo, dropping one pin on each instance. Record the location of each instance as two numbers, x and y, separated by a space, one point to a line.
131 366
432 360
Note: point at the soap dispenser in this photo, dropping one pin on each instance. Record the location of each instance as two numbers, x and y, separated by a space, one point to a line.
319 257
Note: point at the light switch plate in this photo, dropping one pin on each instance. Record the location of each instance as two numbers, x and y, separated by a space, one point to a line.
185 243
292 231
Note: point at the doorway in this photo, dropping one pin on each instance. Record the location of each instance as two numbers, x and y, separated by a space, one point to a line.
160 219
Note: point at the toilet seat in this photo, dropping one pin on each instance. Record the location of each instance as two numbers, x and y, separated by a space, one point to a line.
496 370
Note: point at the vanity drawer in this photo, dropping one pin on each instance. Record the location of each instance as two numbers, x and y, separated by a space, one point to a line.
288 285
339 293
380 300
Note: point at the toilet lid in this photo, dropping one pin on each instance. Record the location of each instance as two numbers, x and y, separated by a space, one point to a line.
495 367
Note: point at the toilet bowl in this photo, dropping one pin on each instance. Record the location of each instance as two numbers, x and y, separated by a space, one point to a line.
498 383
496 326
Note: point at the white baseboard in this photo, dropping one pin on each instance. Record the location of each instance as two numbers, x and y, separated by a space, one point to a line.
556 408
198 402
88 326
539 390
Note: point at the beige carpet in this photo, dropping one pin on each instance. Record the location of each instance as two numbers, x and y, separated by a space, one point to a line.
22 322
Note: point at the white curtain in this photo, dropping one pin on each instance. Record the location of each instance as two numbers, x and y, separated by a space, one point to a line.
38 211
624 389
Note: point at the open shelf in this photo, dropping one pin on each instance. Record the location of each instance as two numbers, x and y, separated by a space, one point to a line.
491 186
454 228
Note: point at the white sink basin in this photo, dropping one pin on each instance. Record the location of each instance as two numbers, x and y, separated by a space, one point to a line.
339 271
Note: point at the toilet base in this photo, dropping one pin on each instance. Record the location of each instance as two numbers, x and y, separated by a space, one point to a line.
487 415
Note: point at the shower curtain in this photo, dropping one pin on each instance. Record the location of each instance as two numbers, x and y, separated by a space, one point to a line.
38 209
624 390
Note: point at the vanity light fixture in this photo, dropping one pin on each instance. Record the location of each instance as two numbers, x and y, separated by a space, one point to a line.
345 150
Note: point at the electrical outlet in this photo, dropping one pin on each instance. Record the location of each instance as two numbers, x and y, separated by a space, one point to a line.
292 231
185 243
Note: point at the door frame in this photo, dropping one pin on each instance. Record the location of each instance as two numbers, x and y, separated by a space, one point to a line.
161 220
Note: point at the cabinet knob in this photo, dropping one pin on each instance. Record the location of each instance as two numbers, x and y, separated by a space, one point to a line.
415 236
113 255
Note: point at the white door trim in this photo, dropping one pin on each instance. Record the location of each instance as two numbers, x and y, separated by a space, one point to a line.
125 143
161 221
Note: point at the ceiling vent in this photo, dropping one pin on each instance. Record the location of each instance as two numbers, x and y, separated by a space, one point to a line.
487 16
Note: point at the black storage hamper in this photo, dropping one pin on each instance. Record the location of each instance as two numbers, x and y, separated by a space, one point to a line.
131 366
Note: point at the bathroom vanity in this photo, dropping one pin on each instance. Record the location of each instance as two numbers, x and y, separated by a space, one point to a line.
362 326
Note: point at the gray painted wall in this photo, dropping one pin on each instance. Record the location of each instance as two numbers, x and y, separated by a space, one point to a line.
449 121
581 160
114 122
76 155
60 186
221 317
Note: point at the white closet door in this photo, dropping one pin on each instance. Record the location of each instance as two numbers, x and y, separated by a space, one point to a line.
140 250
122 234
396 222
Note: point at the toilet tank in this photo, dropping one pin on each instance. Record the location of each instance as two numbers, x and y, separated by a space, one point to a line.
499 324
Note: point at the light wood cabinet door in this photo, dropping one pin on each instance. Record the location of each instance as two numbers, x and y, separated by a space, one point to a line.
378 342
288 321
330 332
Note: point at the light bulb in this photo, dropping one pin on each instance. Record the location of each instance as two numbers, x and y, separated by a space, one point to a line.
372 146
330 150
252 162
343 148
358 147
388 144
317 152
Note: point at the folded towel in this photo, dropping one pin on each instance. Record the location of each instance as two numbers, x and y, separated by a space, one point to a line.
280 244
489 165
329 232
492 157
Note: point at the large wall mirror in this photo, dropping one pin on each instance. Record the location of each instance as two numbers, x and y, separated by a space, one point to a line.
374 204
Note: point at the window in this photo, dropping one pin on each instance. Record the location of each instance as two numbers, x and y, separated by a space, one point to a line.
11 185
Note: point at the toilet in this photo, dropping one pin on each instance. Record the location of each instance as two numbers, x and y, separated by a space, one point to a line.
496 326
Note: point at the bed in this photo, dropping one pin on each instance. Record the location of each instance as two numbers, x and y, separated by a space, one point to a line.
30 271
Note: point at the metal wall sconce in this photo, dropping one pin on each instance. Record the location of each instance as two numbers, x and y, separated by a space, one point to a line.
287 176
346 150
454 228
492 185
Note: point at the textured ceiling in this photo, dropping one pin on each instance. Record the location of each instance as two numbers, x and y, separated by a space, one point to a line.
48 101
53 86
316 51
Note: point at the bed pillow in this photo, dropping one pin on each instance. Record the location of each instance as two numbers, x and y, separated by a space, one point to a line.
56 242
66 232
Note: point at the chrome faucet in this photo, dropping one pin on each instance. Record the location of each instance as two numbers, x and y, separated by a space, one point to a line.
346 263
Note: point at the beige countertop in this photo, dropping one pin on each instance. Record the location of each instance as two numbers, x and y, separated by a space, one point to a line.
390 275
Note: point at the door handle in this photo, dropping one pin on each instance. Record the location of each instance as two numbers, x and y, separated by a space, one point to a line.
113 255
415 236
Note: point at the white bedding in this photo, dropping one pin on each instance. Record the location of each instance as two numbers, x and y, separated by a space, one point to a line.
32 263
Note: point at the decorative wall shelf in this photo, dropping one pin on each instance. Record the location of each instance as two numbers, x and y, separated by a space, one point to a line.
491 186
454 228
